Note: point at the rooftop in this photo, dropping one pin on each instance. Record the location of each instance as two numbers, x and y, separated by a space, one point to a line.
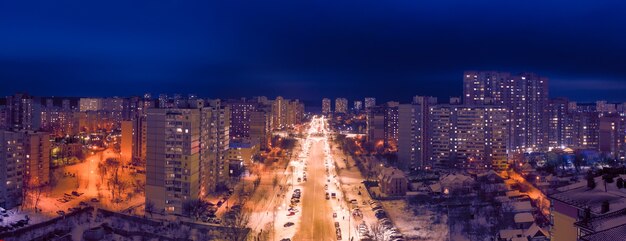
524 218
580 196
615 233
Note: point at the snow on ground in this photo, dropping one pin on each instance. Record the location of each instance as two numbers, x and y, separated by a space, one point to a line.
423 224
83 178
351 182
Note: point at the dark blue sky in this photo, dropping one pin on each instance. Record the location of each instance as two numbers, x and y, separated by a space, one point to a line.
308 49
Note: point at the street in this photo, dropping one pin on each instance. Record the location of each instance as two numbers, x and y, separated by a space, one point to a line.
317 221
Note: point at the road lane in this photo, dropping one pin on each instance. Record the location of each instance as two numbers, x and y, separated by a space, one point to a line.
316 222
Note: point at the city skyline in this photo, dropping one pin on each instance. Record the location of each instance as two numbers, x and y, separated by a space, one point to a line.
313 120
200 48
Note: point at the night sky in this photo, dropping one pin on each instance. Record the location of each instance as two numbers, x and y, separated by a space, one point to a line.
308 49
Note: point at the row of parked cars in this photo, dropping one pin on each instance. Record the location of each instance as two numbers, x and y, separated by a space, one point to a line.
390 232
338 230
14 225
364 233
295 199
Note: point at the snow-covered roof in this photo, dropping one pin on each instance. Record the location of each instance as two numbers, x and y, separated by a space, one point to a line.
514 193
502 199
435 187
616 233
524 217
536 231
455 179
523 206
511 233
580 196
488 173
605 221
390 173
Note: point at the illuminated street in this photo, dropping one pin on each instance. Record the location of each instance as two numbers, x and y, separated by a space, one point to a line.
313 120
85 179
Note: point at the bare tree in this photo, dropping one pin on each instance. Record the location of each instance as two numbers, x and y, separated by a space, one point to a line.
378 232
113 166
195 208
149 207
236 222
102 171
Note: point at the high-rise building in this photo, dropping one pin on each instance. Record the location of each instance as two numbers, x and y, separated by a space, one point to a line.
240 112
90 104
485 86
603 107
468 135
11 169
115 107
37 167
557 117
358 105
24 161
341 105
58 121
140 135
286 113
126 144
24 112
391 124
279 113
326 106
5 117
375 125
382 124
186 153
260 120
585 130
611 134
370 102
413 130
216 172
526 97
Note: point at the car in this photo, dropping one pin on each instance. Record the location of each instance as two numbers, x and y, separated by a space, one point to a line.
299 179
75 193
333 195
216 221
286 239
288 224
291 213
83 203
292 210
334 214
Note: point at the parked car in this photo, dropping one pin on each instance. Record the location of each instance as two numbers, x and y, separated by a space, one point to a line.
288 224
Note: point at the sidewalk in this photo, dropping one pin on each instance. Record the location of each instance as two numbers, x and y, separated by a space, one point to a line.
351 182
